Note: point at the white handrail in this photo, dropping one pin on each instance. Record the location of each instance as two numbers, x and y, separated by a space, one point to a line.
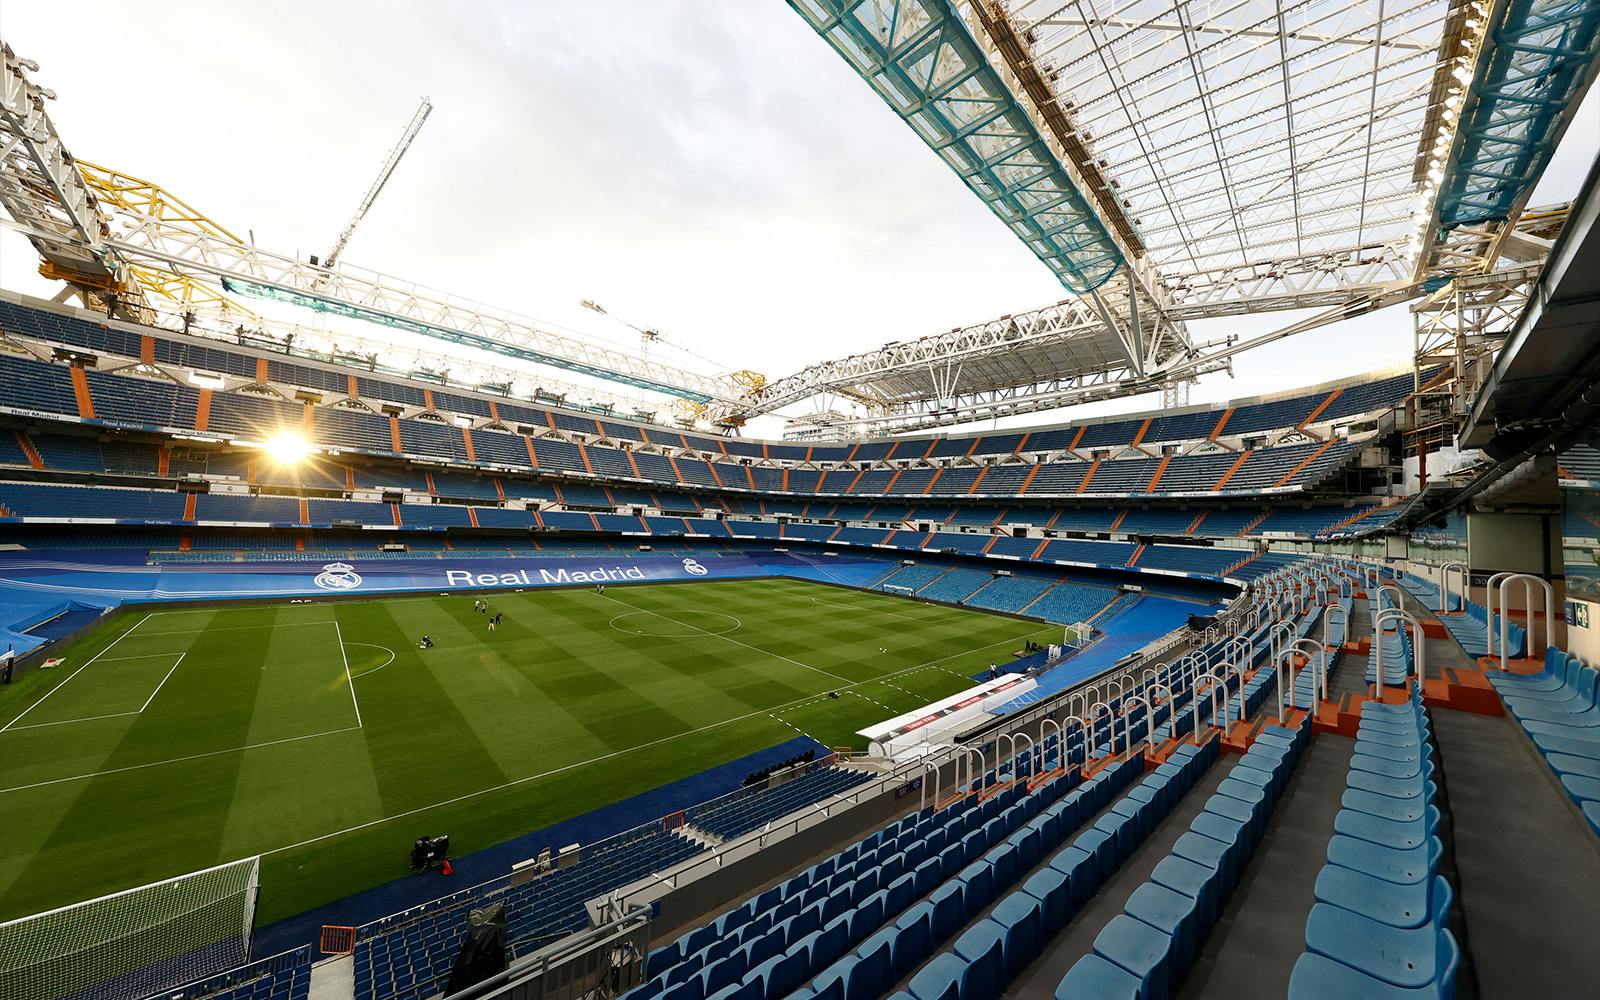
1446 574
1488 618
1527 580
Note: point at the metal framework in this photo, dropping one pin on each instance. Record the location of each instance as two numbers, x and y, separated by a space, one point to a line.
100 229
1248 156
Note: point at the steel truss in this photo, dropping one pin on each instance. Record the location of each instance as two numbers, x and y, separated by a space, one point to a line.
1254 156
99 229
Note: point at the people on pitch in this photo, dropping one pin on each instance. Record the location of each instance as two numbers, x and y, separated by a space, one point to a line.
426 642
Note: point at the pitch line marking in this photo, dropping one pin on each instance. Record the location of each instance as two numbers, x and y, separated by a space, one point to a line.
479 792
737 624
374 645
163 683
177 760
75 673
724 638
348 679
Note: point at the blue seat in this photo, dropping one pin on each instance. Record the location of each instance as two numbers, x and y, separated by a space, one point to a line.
1197 881
1002 860
1174 914
1384 832
941 979
1229 832
1022 917
1318 978
1093 976
1386 806
1398 905
1401 957
977 886
982 947
1079 867
867 917
871 975
913 939
1053 890
949 910
1202 850
1141 950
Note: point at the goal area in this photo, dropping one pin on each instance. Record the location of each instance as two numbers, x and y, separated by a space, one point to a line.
136 942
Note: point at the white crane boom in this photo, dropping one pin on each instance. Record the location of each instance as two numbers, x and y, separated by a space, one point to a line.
371 196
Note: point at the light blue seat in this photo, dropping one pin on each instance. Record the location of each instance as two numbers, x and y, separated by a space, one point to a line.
1385 832
1197 881
982 947
1093 976
1202 850
1079 867
1386 806
1318 978
1174 914
949 910
1410 958
1399 905
1141 950
1053 890
1021 916
977 886
941 979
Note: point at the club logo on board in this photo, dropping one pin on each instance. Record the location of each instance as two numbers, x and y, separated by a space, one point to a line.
693 568
338 576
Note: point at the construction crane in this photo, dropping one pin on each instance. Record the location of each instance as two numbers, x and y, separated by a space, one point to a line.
749 383
371 196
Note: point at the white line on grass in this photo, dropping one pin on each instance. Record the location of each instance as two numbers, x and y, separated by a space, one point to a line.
348 679
75 673
374 645
157 691
68 722
493 788
178 760
724 638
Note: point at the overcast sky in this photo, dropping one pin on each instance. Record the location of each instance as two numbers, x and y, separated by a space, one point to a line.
708 167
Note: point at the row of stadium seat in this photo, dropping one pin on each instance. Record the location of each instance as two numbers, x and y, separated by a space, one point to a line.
86 454
408 956
1558 709
337 382
1378 927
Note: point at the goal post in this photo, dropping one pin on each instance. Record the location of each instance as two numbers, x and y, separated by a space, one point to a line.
135 942
895 588
1075 635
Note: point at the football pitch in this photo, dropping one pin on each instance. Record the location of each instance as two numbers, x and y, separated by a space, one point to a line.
320 737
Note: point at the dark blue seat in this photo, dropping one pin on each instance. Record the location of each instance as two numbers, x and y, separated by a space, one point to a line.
983 949
1079 867
1053 890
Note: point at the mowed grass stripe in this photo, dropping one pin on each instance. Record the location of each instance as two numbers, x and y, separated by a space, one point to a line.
487 736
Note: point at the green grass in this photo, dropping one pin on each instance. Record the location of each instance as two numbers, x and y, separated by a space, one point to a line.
202 736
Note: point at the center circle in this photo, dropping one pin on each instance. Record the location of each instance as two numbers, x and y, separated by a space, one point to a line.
689 624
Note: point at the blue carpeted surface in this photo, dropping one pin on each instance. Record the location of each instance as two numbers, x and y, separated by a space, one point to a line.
1146 620
494 862
65 623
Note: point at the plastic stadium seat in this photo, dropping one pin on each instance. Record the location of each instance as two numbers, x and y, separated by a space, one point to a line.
1021 915
1170 912
1409 958
1093 976
1318 978
1139 949
947 977
1398 905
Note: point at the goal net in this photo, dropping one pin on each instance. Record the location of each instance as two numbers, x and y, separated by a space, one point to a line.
895 588
1076 635
135 942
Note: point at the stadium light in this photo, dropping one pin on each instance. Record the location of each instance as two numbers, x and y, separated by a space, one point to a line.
288 448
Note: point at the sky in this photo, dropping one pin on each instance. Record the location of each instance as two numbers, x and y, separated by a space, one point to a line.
709 168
